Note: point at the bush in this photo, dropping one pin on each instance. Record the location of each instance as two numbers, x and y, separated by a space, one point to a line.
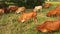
26 3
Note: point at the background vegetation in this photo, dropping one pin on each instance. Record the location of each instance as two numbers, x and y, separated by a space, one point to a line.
26 3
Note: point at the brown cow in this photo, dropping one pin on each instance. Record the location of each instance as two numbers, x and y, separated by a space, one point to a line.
20 9
55 12
12 8
47 5
1 11
49 26
51 13
26 16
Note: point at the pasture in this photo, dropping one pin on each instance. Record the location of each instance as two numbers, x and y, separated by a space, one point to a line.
9 24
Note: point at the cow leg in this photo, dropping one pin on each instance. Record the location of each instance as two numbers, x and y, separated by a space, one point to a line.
22 12
47 33
57 16
10 10
35 19
26 21
38 32
40 10
50 32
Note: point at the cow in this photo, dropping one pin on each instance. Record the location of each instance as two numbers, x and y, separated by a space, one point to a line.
26 16
12 8
20 10
47 5
38 8
1 11
51 13
49 26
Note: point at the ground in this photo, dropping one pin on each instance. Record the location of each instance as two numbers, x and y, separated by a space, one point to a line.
9 24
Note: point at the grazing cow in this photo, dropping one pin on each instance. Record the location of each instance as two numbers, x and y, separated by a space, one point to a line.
38 8
20 9
51 13
1 11
26 16
47 5
55 12
12 8
49 26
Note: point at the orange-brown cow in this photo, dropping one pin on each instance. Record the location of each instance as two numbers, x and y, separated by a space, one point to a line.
20 9
1 11
47 5
26 16
49 26
51 13
55 12
12 8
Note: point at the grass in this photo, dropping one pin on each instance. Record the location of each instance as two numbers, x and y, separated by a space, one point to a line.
9 24
53 2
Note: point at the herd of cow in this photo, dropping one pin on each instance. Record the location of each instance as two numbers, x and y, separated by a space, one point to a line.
47 26
54 12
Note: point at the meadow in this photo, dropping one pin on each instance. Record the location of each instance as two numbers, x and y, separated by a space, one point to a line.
9 24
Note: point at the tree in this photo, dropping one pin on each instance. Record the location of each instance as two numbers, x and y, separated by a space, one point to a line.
26 3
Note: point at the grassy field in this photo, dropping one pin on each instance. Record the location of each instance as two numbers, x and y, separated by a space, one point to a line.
9 24
53 2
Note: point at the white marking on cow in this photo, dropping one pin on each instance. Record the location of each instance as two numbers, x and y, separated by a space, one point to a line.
22 20
44 30
18 12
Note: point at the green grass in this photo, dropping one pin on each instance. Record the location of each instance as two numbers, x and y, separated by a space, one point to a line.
53 2
9 25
